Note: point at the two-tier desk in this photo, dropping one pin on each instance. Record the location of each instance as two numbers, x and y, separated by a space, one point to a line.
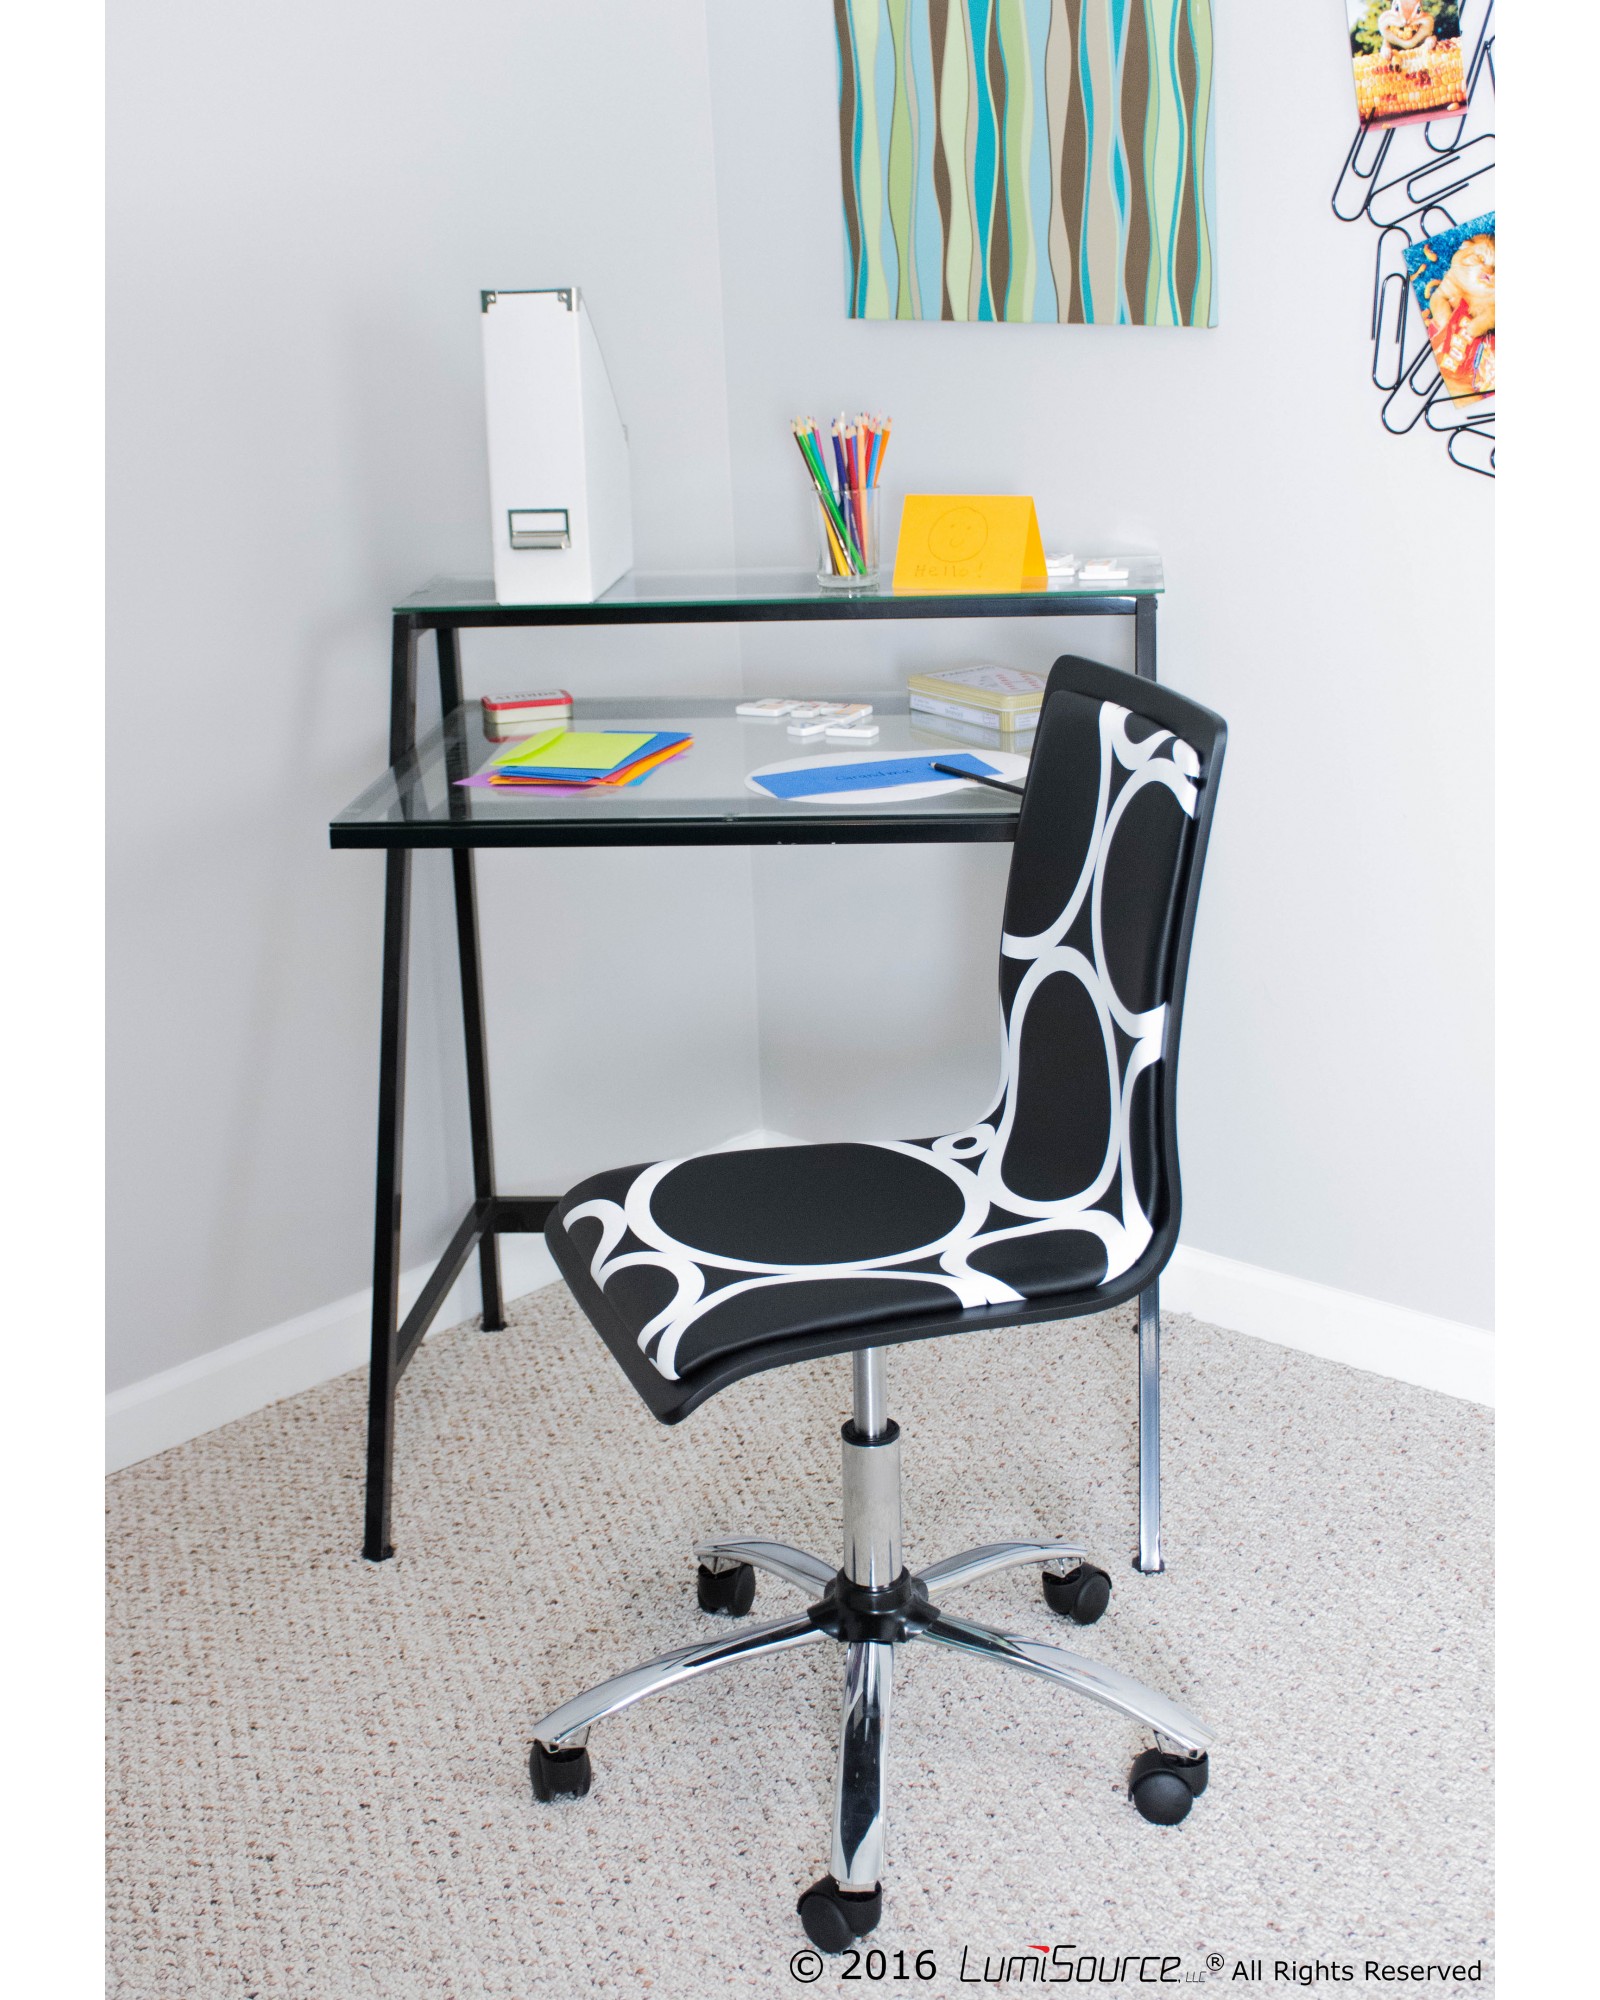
698 800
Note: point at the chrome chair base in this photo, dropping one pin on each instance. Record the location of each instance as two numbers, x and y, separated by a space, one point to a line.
871 1605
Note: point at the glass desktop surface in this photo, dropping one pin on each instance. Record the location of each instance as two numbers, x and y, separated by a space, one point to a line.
642 589
705 783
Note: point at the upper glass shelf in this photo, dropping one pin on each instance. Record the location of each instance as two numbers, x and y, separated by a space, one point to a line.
724 594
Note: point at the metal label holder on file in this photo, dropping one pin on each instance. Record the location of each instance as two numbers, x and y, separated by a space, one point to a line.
540 528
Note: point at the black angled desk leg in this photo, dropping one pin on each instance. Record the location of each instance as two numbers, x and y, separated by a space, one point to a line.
463 867
1149 1557
402 689
1144 637
383 1372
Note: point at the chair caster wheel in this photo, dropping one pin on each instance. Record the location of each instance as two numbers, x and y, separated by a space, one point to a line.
834 1918
1164 1787
559 1774
1081 1595
727 1592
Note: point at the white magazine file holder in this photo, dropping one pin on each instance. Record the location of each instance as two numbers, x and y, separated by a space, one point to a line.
559 496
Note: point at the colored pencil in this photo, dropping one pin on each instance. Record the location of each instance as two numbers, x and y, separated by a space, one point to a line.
858 473
835 508
846 508
858 446
806 441
842 464
852 457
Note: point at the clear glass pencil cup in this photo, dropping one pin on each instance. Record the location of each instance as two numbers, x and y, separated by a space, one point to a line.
847 539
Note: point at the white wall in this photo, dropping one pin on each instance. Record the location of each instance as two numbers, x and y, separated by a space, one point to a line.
1329 594
305 202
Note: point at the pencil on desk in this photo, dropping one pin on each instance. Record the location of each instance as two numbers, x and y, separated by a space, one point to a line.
977 778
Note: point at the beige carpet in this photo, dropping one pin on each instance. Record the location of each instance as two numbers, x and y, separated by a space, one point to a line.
318 1778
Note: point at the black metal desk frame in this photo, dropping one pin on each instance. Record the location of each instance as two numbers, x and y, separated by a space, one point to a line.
492 1214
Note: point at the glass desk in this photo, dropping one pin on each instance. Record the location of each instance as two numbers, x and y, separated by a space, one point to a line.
699 799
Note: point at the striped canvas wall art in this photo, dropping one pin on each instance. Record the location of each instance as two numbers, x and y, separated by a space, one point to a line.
1028 160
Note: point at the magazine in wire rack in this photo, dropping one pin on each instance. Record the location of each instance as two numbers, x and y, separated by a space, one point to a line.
1452 282
1408 61
1424 179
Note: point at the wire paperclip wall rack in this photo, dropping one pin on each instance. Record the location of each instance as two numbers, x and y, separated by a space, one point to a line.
1409 181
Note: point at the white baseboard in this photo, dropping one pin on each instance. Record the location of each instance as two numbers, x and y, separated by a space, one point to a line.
1362 1332
184 1402
1367 1333
187 1401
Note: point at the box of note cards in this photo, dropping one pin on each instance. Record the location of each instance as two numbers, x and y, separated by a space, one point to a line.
1003 698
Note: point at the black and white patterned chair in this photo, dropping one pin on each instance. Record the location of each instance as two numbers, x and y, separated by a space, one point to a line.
1063 1200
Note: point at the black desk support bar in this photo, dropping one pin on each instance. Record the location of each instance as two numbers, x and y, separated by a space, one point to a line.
394 1344
492 1215
500 1215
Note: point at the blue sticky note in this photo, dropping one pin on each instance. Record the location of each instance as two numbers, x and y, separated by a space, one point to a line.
879 775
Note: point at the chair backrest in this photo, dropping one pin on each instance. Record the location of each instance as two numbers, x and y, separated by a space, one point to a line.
1100 907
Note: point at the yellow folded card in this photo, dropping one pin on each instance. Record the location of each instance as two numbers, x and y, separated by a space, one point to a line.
969 541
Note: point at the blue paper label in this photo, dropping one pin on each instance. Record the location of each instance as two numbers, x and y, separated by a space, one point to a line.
879 775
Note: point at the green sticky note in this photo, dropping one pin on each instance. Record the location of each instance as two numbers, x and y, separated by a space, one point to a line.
576 749
524 744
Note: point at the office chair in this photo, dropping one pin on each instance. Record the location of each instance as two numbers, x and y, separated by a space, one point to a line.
1062 1201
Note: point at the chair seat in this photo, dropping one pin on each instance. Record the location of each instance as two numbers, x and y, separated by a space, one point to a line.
701 1270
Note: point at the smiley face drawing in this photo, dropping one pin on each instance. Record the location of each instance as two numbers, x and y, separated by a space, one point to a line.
958 535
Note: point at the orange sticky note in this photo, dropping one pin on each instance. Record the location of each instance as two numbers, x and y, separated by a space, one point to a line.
969 541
